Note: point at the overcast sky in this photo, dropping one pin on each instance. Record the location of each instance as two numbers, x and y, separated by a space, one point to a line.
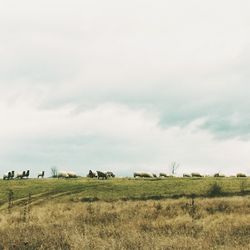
125 85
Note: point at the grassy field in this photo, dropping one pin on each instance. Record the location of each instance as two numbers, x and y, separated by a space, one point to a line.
172 213
84 189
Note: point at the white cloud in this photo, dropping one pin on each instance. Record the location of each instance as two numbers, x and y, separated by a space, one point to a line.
117 136
126 81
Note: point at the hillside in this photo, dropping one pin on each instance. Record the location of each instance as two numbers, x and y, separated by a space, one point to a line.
84 189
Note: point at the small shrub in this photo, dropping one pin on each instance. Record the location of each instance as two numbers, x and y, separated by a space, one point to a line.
214 190
243 186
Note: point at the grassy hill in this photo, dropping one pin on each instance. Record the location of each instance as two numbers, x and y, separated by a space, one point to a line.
84 189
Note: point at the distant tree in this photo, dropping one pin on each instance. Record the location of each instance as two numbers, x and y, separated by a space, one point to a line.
173 167
54 172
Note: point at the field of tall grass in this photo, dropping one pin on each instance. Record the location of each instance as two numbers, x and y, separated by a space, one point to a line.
172 213
202 223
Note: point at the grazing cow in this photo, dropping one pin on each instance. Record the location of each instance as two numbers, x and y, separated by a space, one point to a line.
101 175
163 175
241 175
136 174
110 174
143 175
186 175
72 175
196 175
218 175
92 174
20 175
7 176
62 174
41 174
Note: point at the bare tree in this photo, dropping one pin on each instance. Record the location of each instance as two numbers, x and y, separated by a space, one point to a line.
173 167
54 171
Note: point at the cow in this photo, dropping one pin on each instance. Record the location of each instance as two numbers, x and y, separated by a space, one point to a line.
21 175
92 174
110 174
218 175
65 174
196 175
101 175
143 175
163 175
71 175
241 175
7 176
62 174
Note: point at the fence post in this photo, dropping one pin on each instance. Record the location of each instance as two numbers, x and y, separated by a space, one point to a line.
26 209
10 200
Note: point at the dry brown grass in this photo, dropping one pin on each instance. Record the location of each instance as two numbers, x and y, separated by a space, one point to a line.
216 223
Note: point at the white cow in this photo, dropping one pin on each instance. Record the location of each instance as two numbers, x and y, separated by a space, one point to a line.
71 175
65 174
143 175
62 174
7 176
163 175
20 175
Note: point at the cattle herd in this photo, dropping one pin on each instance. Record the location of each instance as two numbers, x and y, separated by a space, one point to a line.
192 175
11 175
100 175
104 175
61 174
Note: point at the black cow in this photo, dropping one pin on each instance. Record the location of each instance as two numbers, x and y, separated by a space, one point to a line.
101 175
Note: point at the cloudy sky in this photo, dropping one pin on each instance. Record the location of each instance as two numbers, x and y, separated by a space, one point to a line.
125 85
